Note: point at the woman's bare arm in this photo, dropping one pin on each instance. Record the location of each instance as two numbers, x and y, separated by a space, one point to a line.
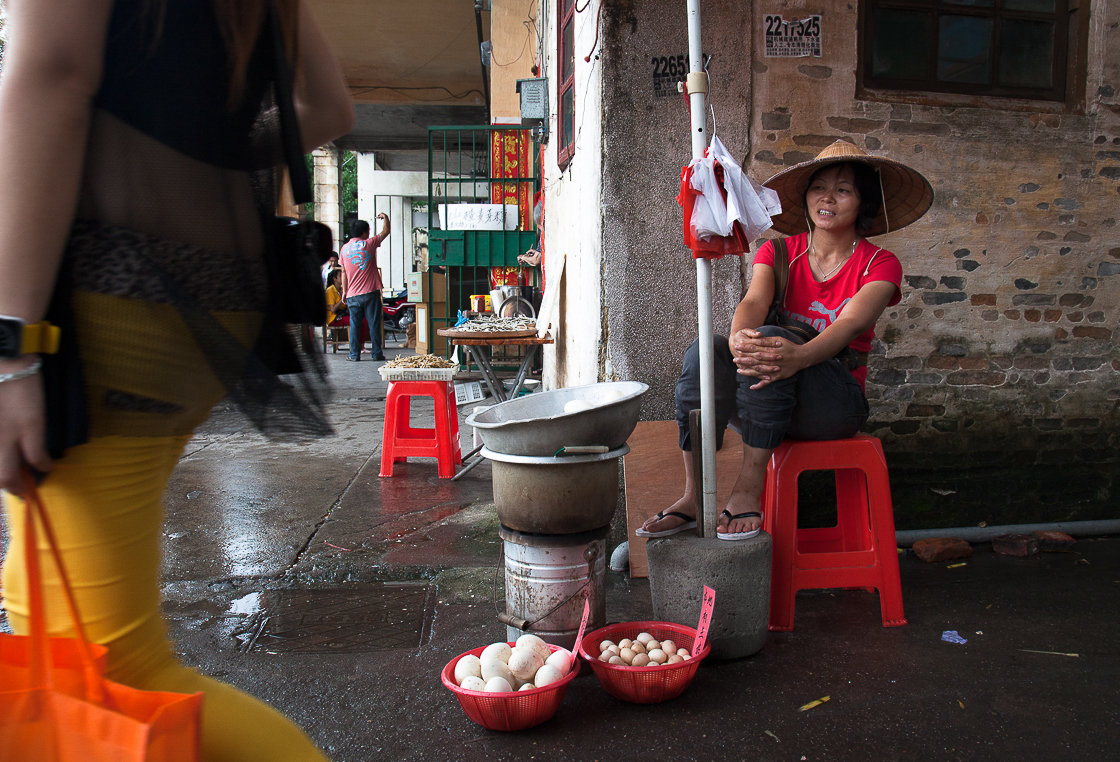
52 70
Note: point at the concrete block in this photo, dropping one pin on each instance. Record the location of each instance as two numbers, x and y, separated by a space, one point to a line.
739 572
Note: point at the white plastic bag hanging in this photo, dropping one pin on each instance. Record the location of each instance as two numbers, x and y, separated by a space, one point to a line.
747 202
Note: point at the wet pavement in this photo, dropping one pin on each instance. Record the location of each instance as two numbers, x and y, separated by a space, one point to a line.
297 574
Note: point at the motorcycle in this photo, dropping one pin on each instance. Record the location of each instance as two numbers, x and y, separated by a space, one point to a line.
397 312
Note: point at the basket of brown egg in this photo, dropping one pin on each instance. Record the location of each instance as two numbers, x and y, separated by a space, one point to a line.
643 662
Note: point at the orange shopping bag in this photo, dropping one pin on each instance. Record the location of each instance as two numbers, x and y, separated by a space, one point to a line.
57 706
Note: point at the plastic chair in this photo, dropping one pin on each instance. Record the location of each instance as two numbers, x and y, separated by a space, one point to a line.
401 441
859 552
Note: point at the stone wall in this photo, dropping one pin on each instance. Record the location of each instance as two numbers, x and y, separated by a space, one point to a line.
1000 363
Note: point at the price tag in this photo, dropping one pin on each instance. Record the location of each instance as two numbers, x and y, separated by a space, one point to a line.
582 627
706 606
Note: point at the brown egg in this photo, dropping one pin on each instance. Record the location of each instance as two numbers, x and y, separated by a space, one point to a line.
640 660
627 655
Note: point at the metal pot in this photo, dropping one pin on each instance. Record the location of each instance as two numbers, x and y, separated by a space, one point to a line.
555 495
538 424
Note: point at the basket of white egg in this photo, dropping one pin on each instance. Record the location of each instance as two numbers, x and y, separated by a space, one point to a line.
643 662
511 686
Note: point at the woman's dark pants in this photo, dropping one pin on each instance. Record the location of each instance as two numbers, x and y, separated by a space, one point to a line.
821 402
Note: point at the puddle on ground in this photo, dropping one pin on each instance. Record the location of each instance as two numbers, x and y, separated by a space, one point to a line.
372 617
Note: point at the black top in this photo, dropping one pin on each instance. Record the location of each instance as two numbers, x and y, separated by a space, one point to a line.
175 88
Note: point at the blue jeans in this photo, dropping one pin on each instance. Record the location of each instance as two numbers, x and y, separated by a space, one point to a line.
368 307
821 402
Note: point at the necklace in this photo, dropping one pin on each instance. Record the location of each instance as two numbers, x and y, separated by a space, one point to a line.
830 273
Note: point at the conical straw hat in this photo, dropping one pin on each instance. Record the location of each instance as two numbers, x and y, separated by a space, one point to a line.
907 195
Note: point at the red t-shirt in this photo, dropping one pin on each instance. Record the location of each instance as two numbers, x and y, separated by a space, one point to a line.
358 258
818 304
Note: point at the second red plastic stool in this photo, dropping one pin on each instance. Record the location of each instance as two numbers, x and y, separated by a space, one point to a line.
401 440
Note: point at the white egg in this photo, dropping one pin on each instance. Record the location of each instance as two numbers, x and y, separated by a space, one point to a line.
627 655
468 665
614 650
527 687
625 643
500 650
546 675
605 645
683 652
606 656
524 662
640 660
643 637
674 659
472 683
616 660
658 656
498 685
539 647
495 667
561 661
577 406
651 644
668 646
638 647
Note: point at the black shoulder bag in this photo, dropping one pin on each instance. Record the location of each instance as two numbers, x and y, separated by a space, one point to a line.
297 249
848 357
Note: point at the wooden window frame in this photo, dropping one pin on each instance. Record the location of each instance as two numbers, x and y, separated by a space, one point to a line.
566 13
1064 18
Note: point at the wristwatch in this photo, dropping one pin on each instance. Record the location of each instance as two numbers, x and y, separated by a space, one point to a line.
19 338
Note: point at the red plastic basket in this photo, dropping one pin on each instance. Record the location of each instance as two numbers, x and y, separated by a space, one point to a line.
643 685
509 711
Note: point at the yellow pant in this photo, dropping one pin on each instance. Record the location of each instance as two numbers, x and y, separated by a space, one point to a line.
105 503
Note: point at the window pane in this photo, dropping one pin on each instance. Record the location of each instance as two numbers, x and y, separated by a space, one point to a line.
901 47
964 50
1026 54
1037 6
567 54
567 118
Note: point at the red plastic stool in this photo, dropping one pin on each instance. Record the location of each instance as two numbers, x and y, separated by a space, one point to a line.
860 551
401 440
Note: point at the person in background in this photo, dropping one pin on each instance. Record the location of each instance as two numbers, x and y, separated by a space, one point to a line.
330 264
361 285
157 277
336 307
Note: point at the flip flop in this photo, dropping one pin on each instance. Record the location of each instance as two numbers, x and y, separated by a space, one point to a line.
738 535
689 523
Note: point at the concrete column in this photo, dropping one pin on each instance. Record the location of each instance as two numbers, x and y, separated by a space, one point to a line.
327 185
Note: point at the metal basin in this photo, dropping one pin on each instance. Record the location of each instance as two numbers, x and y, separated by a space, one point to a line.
552 496
538 424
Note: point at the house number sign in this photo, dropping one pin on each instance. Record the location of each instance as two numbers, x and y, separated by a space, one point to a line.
791 39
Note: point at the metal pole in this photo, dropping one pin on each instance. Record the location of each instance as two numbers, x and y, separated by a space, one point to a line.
698 103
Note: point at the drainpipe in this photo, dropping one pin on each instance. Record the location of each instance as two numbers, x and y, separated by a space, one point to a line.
485 75
907 537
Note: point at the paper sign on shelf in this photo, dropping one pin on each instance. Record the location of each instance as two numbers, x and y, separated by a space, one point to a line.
706 605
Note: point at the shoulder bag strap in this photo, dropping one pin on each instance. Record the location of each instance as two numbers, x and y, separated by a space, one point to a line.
289 125
781 273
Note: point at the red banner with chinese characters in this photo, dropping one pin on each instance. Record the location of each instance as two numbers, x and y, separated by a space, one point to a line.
509 157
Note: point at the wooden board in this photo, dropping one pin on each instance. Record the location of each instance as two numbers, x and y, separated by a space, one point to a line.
654 473
455 333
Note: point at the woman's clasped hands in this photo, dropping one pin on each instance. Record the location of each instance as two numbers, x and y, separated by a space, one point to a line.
767 358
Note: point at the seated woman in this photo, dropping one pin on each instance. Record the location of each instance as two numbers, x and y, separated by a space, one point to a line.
778 383
337 314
